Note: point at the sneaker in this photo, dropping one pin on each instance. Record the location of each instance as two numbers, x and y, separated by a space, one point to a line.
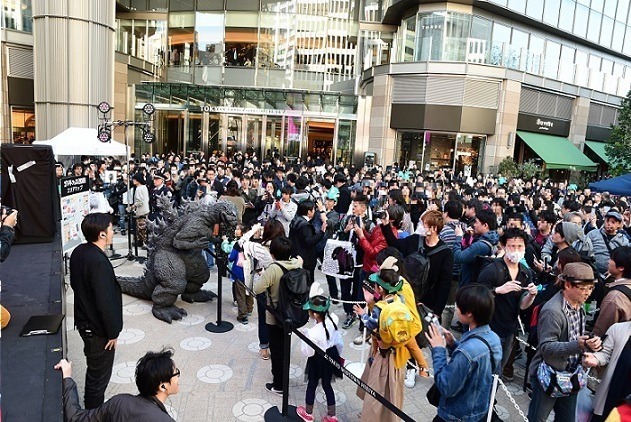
507 379
361 339
123 233
264 354
270 387
350 320
302 413
410 378
243 320
329 418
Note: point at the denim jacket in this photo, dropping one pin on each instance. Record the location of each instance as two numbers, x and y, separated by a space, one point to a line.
465 379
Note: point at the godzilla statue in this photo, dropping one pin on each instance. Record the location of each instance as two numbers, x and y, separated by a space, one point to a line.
175 264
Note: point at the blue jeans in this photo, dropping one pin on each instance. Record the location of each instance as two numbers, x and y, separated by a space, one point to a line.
263 331
210 261
122 215
541 405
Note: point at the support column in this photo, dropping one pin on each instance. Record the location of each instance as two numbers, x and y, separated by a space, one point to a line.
73 44
381 138
502 143
580 117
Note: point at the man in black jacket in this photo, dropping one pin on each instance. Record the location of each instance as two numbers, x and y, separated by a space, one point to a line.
304 238
344 200
157 378
98 304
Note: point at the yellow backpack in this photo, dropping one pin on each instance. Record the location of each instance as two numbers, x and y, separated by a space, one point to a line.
396 323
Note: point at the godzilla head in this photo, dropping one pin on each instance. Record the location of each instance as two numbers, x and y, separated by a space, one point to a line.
224 213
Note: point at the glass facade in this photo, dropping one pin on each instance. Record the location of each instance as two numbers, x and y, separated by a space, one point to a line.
593 20
142 38
258 121
23 125
431 150
18 15
453 36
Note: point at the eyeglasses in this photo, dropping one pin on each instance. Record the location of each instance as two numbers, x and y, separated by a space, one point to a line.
176 373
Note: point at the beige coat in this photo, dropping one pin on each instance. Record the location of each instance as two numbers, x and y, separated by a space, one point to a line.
269 282
617 337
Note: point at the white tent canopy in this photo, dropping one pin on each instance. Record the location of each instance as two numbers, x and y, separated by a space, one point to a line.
83 141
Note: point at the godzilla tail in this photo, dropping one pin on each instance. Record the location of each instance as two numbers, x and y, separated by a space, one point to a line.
136 286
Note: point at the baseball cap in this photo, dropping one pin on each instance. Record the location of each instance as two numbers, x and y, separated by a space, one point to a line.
614 214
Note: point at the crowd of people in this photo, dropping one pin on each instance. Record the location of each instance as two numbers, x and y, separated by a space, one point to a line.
457 264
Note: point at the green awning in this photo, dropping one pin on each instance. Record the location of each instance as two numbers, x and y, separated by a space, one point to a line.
557 152
599 149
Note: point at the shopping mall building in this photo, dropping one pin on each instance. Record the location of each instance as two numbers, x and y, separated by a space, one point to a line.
459 85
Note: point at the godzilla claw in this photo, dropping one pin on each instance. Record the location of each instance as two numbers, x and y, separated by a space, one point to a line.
168 313
199 296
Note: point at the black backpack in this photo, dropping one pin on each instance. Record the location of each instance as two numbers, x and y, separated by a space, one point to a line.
416 266
293 293
481 261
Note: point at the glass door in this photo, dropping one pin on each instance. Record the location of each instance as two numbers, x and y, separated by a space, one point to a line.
253 136
273 137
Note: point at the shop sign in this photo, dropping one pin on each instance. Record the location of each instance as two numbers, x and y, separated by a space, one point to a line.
543 124
244 110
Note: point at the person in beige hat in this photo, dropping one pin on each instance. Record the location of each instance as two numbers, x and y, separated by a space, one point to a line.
562 340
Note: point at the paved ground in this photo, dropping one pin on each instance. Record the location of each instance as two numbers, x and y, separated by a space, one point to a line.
223 378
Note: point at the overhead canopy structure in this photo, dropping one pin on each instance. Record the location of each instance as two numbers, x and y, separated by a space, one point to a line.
557 152
620 185
83 141
599 150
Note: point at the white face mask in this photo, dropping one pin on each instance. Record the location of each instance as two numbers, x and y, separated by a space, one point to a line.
421 229
515 257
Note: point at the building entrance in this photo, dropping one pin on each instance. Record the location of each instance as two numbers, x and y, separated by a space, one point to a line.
320 136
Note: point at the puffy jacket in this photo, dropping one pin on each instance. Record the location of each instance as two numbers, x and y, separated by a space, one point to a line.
467 257
372 243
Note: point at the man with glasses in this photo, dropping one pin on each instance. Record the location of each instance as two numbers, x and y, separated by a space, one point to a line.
157 378
562 341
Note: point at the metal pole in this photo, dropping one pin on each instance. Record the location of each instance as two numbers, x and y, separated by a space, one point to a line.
130 255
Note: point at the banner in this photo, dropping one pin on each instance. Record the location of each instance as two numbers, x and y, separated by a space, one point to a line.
339 259
75 205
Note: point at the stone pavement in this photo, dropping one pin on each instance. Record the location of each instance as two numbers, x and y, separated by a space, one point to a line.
223 377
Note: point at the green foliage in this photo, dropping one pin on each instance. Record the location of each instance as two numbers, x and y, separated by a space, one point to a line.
508 168
530 169
618 148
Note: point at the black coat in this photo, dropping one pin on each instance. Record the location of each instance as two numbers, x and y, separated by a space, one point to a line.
97 295
304 239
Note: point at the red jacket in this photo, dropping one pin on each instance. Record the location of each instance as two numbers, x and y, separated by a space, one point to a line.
372 243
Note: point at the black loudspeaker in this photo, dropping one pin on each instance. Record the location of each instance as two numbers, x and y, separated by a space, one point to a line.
30 186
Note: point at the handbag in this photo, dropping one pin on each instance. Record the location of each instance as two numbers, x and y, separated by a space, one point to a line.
560 383
339 259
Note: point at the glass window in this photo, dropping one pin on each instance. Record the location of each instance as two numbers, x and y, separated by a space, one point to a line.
534 9
431 37
409 39
241 39
623 9
535 55
551 12
618 36
607 31
293 136
517 49
501 39
597 5
253 136
607 67
23 125
181 38
518 6
18 15
626 47
593 29
457 28
582 68
210 36
372 11
551 63
566 66
580 20
567 11
182 5
610 8
480 41
276 48
123 35
345 142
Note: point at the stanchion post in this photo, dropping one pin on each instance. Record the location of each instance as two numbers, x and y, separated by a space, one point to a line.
496 377
287 412
130 254
220 326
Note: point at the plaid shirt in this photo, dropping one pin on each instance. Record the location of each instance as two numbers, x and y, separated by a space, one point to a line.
576 328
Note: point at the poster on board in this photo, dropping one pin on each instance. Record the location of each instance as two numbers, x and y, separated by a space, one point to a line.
75 205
